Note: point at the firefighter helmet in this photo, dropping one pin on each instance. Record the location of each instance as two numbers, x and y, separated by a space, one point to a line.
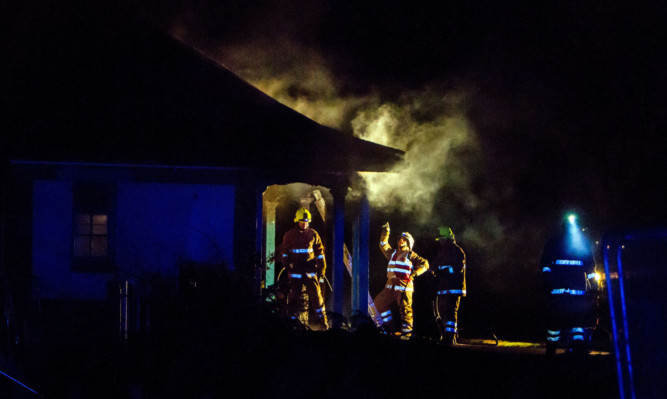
445 232
302 215
408 237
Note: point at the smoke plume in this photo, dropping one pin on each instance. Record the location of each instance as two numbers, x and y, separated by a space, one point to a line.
442 180
430 125
296 76
440 150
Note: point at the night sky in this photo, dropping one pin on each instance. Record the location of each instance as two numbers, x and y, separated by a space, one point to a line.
512 113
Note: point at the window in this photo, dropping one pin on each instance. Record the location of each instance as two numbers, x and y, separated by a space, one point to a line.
91 237
91 249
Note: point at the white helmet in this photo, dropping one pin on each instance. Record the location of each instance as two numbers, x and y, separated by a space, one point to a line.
408 237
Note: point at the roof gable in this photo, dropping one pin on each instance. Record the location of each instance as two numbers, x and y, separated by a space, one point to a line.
97 93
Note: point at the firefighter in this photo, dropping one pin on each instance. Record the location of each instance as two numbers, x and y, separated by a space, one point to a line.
302 254
450 284
568 270
404 265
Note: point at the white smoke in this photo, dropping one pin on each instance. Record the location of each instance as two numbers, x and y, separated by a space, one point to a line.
430 125
441 150
296 76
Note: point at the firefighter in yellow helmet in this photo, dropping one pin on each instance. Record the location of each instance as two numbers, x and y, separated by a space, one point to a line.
450 284
404 265
302 254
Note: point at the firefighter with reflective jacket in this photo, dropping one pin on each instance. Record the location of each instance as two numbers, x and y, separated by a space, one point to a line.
450 284
302 254
404 265
568 269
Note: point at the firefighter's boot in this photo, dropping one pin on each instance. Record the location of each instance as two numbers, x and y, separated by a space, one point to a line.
442 330
403 335
448 338
406 331
320 322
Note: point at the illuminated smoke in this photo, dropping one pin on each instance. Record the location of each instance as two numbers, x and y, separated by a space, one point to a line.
443 159
294 75
440 147
429 125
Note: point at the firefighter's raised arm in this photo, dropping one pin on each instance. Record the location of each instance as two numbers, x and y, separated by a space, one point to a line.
384 240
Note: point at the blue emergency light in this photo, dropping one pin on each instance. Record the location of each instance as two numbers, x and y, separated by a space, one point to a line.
576 240
572 218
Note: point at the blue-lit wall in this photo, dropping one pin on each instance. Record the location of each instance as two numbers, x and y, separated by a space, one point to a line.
156 226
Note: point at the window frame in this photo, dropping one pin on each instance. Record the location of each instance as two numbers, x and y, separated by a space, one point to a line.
93 199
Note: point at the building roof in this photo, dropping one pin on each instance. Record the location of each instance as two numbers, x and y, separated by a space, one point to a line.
102 93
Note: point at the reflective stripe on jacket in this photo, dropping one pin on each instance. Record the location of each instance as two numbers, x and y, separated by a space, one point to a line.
399 266
301 246
402 264
450 269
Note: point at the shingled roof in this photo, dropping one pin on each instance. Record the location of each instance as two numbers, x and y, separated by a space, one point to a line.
123 94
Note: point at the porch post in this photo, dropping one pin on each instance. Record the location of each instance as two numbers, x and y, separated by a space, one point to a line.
270 237
360 266
338 248
258 262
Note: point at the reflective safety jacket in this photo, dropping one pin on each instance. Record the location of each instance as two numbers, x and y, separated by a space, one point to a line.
450 268
567 271
403 265
302 246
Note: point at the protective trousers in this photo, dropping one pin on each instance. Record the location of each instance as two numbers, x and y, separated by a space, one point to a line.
396 295
567 318
446 315
305 275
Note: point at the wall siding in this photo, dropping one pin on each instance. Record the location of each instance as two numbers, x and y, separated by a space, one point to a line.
157 226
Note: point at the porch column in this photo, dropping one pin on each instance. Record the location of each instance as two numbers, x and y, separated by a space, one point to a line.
338 274
270 242
360 265
258 259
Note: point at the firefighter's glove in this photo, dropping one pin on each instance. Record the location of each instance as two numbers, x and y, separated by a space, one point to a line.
385 227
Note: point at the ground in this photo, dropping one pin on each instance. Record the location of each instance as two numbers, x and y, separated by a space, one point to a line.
268 359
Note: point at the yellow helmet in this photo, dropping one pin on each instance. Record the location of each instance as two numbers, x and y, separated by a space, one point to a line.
302 215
